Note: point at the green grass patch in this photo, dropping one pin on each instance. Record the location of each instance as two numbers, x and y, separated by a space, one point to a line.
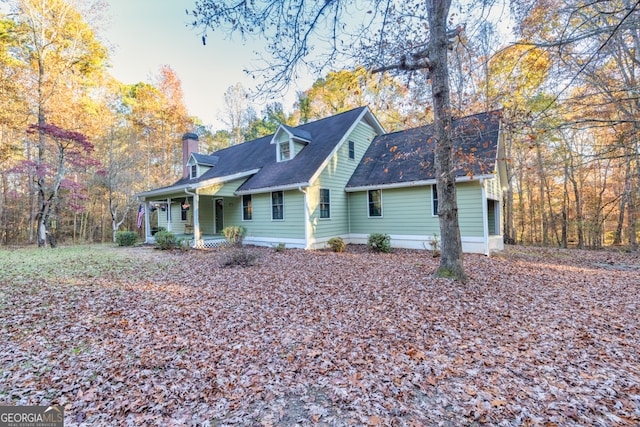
67 265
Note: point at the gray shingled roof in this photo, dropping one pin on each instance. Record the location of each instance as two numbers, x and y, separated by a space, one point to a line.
298 133
260 154
408 156
205 159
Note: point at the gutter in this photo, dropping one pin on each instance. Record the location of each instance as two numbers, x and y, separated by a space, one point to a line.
295 186
414 183
196 185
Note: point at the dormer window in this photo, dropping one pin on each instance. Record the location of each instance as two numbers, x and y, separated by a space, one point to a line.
285 151
289 142
194 171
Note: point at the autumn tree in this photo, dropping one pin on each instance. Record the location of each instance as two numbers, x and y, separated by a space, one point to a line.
343 90
401 37
66 150
58 48
174 117
596 45
273 116
236 112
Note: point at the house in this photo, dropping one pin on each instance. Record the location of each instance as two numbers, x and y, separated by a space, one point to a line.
341 176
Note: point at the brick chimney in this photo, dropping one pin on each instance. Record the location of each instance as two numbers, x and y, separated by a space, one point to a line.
190 145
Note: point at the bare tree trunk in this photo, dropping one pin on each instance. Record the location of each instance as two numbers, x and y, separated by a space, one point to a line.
451 259
509 231
617 239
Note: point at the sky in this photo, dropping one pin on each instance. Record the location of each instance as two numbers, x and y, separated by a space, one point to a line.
146 34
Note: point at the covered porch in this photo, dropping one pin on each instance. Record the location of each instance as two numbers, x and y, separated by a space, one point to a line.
197 218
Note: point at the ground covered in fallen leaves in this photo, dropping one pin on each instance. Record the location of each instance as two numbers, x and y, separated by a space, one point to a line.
144 337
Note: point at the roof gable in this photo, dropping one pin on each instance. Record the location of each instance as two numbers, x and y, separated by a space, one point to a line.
257 158
297 134
408 156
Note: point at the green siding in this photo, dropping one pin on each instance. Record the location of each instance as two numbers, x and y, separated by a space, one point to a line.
206 215
297 147
470 208
261 224
493 188
177 224
334 177
407 211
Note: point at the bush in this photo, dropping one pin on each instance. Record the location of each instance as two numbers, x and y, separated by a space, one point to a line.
234 234
337 244
379 242
435 245
165 240
280 247
239 257
126 238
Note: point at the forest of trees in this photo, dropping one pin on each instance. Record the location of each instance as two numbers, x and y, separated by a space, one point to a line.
567 88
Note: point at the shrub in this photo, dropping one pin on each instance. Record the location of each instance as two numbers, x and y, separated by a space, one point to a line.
234 234
184 244
165 240
337 244
435 245
126 238
280 247
379 242
239 257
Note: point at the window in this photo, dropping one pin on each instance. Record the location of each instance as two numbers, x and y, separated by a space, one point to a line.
325 203
277 205
247 210
375 203
352 150
285 152
434 200
194 171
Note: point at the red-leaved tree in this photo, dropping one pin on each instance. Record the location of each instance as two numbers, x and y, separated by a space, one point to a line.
59 152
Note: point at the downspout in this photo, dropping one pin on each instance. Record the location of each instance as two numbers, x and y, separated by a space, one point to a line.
307 219
485 218
196 214
169 215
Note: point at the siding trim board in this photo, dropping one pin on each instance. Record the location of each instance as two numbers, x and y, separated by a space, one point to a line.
470 244
414 183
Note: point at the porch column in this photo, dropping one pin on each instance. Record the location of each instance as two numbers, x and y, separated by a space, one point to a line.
147 222
169 214
196 218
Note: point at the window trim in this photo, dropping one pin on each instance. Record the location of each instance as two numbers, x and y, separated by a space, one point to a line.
434 200
352 150
272 206
369 204
247 208
288 144
328 202
194 170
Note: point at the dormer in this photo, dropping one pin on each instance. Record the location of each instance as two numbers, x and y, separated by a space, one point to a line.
289 142
198 164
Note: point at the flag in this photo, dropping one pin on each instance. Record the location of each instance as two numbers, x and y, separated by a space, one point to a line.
140 215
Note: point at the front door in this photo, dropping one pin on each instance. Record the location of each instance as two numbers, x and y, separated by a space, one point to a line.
219 207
